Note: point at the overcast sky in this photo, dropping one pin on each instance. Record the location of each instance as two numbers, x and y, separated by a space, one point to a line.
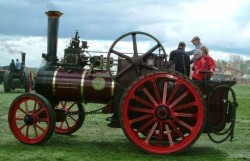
222 25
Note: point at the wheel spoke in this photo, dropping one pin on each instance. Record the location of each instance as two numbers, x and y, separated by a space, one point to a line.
143 102
141 110
124 71
184 124
173 93
150 96
151 132
35 106
39 127
134 45
61 125
157 93
71 106
22 127
177 130
184 106
179 99
141 118
26 107
72 118
38 112
186 115
67 123
121 55
170 139
148 123
19 119
161 133
21 110
165 91
27 131
35 129
151 50
63 103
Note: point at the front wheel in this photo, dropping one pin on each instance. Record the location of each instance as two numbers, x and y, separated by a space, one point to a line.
31 118
73 117
162 112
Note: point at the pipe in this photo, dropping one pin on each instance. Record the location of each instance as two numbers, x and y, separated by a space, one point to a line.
53 24
23 59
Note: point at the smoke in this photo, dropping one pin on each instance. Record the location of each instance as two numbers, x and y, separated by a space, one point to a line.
51 5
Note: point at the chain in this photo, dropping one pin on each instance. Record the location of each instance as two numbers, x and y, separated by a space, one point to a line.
97 111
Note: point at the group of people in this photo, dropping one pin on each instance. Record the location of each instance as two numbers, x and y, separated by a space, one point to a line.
202 63
15 66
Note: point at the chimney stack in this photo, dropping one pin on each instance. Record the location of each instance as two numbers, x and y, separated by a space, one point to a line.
23 58
53 24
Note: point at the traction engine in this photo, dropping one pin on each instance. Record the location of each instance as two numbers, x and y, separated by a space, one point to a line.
14 78
160 110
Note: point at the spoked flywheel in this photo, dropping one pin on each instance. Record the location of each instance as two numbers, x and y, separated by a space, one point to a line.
162 112
31 118
140 55
70 117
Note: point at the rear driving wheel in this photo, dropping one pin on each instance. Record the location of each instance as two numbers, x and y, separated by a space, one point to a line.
70 117
31 118
162 112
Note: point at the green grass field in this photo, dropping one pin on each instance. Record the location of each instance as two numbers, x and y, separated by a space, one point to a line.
96 141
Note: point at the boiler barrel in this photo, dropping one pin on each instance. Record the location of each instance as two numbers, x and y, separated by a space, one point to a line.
77 86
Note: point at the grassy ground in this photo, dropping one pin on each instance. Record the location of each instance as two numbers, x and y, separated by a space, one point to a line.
96 141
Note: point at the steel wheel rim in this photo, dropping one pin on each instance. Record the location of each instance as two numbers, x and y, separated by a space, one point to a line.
29 120
71 122
156 134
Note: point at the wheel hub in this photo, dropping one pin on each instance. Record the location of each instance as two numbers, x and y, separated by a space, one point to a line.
162 112
136 60
28 119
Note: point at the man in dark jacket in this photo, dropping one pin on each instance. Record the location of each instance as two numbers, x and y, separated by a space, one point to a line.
181 59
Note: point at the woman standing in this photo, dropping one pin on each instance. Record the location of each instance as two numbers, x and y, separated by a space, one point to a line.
209 62
199 64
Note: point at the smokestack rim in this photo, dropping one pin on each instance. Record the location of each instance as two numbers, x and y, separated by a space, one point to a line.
53 14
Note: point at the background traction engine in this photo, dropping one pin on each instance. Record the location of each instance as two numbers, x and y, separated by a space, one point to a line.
18 78
160 110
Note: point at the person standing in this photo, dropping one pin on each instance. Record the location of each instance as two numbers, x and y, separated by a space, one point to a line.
209 62
12 66
197 44
199 64
181 59
18 65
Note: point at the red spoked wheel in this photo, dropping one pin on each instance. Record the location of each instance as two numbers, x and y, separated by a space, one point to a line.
31 118
162 112
73 117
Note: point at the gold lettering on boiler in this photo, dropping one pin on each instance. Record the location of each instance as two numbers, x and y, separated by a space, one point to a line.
67 85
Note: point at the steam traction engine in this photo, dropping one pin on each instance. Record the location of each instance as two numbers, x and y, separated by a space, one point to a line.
159 110
14 78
